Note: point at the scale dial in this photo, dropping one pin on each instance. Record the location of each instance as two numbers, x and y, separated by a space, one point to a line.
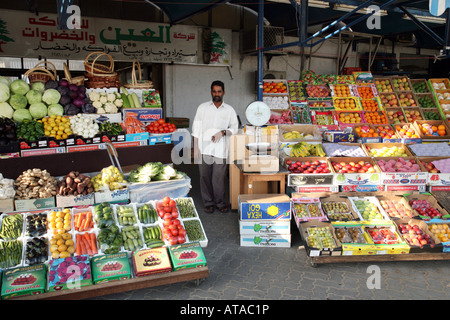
257 113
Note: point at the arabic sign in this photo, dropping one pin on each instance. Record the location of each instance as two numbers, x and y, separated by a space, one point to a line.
23 34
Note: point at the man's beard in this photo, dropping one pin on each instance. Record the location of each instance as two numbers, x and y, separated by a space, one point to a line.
217 99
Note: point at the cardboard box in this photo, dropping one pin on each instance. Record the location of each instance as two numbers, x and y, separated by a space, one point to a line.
151 261
60 277
338 136
436 178
351 246
179 122
403 178
313 189
377 146
137 136
384 246
42 151
34 204
414 248
264 227
314 251
187 256
309 179
120 195
23 281
443 235
307 209
429 198
72 201
346 214
374 201
264 207
6 205
157 138
271 240
401 210
435 123
362 188
304 129
110 267
355 178
144 114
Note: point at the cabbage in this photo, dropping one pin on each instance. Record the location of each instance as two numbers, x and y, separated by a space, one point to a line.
5 81
22 114
51 96
55 109
39 86
38 110
20 87
6 110
4 92
18 101
34 96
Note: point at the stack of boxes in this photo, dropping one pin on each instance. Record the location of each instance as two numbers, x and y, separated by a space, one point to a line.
265 220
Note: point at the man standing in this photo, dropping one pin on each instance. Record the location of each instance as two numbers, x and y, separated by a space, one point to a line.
214 122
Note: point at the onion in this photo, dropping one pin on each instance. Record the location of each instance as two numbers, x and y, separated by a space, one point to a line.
64 83
73 87
78 102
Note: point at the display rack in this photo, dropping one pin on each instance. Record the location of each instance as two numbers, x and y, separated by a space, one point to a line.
106 288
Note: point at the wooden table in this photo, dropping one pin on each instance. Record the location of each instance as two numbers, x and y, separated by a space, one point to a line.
247 183
118 286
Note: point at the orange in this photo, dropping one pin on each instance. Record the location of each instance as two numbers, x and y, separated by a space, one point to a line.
434 128
441 132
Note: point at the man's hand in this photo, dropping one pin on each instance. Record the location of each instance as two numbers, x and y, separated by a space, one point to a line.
216 138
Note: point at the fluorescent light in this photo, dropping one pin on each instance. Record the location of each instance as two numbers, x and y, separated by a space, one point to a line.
430 19
349 8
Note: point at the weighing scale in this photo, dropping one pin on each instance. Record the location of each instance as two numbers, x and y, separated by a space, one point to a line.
262 157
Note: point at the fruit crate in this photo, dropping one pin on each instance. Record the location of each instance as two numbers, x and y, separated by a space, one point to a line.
277 101
396 206
296 90
318 91
442 94
432 114
305 210
438 84
347 104
387 128
420 199
419 229
403 128
377 212
407 99
389 100
395 115
413 114
383 85
275 87
420 86
338 208
426 100
401 83
326 104
390 147
366 92
342 91
373 104
435 176
344 118
372 117
433 123
355 171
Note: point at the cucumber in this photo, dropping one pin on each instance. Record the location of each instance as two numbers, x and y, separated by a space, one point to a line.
126 102
131 101
124 90
136 100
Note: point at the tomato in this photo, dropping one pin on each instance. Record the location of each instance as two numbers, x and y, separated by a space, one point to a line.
173 240
174 214
174 232
167 222
161 121
181 239
167 209
166 200
167 216
172 203
175 222
181 232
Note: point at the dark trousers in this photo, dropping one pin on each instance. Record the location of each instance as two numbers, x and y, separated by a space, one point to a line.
213 172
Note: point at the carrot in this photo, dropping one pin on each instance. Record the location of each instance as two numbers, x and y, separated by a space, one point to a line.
86 221
75 220
79 248
87 242
93 243
80 219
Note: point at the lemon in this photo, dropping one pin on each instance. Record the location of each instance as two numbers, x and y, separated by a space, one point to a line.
57 236
69 243
55 255
54 248
62 248
71 249
67 236
64 254
60 242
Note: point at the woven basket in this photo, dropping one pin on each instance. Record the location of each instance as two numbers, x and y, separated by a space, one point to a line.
135 83
79 81
42 72
100 75
97 69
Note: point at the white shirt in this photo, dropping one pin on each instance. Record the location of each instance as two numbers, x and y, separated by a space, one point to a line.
210 120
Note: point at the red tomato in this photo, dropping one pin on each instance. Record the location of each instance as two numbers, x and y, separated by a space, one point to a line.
174 214
181 239
181 232
172 203
167 222
173 240
175 222
168 216
161 121
167 209
166 200
174 232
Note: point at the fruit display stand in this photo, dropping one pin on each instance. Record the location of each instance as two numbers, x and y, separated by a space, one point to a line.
371 240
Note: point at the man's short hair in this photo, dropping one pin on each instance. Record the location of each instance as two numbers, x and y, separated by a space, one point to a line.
218 83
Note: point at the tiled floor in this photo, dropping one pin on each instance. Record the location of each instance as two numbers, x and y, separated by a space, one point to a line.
244 273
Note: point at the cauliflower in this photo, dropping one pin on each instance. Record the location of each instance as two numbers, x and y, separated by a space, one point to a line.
94 96
101 110
97 104
111 108
118 103
103 99
111 97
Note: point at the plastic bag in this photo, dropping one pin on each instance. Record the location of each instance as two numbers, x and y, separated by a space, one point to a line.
156 190
131 124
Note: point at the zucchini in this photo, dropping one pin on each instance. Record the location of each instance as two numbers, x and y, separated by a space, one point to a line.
136 100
